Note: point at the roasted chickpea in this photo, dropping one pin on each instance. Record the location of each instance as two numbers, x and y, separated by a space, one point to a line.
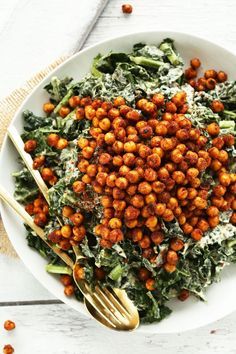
233 219
8 349
213 129
172 257
131 224
133 176
86 179
117 161
160 208
169 268
143 274
221 76
203 225
144 151
53 139
105 158
182 193
201 141
145 242
151 222
190 73
67 211
121 182
79 233
200 203
158 187
115 223
47 174
195 63
130 146
129 159
187 228
144 188
123 170
107 201
119 101
212 211
219 190
210 74
119 205
150 284
116 235
183 295
176 156
124 109
40 219
66 279
197 234
85 101
66 231
106 106
62 144
9 325
131 190
149 108
176 244
69 290
150 175
178 177
131 213
213 221
153 161
161 129
229 140
158 99
217 106
38 162
133 115
223 156
111 180
179 98
118 193
48 107
168 215
78 186
30 145
224 179
74 101
64 111
171 107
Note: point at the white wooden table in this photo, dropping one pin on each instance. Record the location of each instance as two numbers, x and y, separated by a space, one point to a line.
44 326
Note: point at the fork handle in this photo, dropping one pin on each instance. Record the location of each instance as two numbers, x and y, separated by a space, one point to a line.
30 222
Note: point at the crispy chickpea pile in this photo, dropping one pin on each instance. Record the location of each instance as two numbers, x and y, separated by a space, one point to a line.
39 210
207 82
146 164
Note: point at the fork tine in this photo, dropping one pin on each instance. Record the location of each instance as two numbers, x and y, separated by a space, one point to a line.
115 300
98 303
122 315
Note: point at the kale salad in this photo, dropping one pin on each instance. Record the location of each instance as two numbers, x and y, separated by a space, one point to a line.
140 161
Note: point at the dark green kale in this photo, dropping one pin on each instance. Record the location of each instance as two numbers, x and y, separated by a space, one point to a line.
25 187
57 88
33 122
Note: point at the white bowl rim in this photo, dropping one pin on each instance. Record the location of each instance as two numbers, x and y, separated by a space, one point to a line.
166 34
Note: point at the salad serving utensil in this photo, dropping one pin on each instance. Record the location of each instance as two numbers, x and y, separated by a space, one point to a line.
110 307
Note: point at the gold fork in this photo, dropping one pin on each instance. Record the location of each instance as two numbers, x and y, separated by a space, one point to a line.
111 307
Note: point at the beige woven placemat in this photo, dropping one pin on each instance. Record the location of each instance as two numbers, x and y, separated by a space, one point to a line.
8 107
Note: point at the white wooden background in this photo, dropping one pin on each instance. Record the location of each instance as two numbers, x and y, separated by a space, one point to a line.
46 327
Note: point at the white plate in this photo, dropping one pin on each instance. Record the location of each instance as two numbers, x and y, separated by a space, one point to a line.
186 315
